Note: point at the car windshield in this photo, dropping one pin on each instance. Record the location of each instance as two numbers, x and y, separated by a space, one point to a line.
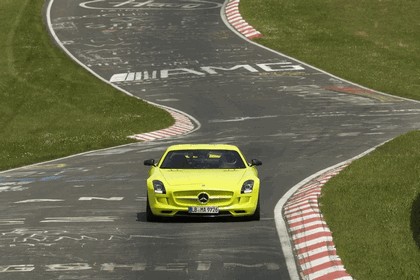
203 159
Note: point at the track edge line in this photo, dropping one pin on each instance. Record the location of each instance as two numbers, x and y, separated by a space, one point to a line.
282 229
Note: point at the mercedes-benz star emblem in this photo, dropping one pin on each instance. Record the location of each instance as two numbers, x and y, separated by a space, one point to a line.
203 198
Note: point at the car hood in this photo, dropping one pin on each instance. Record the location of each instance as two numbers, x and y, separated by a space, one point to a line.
210 178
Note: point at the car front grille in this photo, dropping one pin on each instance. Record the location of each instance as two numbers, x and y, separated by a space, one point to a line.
190 198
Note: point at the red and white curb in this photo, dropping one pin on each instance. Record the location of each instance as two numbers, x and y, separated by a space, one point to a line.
235 19
183 125
311 239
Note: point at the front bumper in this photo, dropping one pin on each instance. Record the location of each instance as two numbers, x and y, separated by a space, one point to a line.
164 205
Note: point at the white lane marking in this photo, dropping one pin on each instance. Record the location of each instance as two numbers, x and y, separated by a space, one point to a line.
203 266
172 267
375 133
132 236
348 134
87 219
168 100
110 267
17 268
13 189
15 183
15 221
241 119
39 200
101 198
67 267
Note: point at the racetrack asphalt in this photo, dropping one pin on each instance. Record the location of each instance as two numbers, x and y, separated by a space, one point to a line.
83 217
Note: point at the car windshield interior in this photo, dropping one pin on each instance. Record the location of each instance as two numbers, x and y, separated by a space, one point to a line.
203 159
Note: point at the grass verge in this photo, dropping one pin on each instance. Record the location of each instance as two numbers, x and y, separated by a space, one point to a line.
50 107
373 206
374 43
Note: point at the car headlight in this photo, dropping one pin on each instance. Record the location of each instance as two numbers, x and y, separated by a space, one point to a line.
248 186
159 187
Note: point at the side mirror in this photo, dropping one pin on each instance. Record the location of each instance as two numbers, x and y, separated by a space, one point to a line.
149 162
255 162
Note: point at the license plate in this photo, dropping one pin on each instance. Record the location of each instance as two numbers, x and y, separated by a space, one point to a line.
203 209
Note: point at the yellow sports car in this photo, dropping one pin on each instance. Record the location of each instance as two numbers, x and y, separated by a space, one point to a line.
203 181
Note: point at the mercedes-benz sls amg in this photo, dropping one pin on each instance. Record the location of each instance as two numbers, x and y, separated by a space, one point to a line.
203 180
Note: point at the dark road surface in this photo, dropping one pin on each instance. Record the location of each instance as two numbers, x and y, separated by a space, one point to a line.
76 218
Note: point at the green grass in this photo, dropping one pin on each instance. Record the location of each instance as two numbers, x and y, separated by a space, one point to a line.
49 106
373 210
371 42
373 206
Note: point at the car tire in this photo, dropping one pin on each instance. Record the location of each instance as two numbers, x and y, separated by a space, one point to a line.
150 217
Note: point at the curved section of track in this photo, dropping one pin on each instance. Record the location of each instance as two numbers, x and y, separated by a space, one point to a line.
184 123
83 216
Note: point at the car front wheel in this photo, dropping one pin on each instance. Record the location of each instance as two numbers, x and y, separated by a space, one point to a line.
150 217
